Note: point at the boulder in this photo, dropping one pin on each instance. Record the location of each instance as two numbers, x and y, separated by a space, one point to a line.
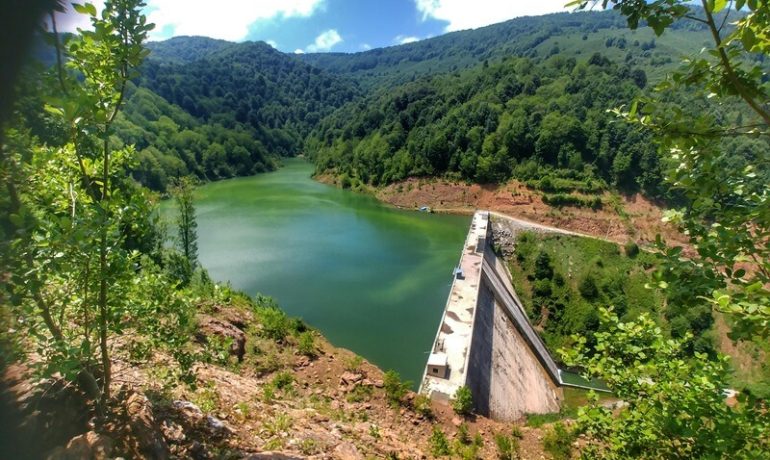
209 326
149 441
90 445
347 451
351 378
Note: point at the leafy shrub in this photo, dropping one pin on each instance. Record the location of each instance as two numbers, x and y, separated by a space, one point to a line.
275 323
558 442
543 267
353 364
631 249
360 393
282 380
462 403
395 389
507 447
564 199
542 288
421 405
306 345
463 435
588 288
439 445
345 181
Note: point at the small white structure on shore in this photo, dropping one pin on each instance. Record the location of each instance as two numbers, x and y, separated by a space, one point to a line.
438 365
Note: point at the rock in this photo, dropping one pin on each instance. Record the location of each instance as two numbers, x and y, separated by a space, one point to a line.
173 432
198 451
149 440
347 451
189 411
238 318
209 326
90 445
218 427
378 383
350 378
457 421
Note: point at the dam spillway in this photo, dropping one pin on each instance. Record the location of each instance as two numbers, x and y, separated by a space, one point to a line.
485 341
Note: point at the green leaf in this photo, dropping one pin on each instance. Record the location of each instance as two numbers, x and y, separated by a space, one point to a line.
748 39
719 5
87 8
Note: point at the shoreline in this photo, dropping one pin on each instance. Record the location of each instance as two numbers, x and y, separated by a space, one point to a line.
621 219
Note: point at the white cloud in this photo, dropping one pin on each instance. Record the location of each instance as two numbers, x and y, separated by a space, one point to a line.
224 19
70 20
325 41
272 43
462 14
299 51
365 46
403 39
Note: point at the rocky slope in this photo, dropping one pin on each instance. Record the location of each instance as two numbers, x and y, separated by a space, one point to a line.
259 398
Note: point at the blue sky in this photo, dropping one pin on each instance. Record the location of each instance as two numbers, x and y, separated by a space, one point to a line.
328 25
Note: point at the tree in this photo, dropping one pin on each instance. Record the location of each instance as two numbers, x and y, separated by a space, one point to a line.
676 403
462 401
186 224
72 209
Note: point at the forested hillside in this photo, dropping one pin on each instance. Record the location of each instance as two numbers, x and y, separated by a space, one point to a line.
525 98
576 35
172 143
521 118
251 83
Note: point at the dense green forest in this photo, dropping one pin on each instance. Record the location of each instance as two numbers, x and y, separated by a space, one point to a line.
520 118
275 94
525 98
172 143
569 35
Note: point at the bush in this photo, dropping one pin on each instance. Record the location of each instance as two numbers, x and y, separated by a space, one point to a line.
395 389
360 393
353 364
462 403
588 288
558 442
439 445
507 447
282 380
275 323
463 435
543 267
421 405
306 345
631 249
542 288
564 199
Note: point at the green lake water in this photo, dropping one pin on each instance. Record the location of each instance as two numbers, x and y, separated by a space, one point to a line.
371 278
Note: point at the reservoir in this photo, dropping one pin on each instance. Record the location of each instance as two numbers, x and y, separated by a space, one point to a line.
371 278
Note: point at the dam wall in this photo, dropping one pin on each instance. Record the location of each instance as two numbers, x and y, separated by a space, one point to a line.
485 341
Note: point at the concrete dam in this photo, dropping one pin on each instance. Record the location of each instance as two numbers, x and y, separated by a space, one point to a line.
486 342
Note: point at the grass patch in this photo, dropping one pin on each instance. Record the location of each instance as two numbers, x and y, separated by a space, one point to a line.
563 279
